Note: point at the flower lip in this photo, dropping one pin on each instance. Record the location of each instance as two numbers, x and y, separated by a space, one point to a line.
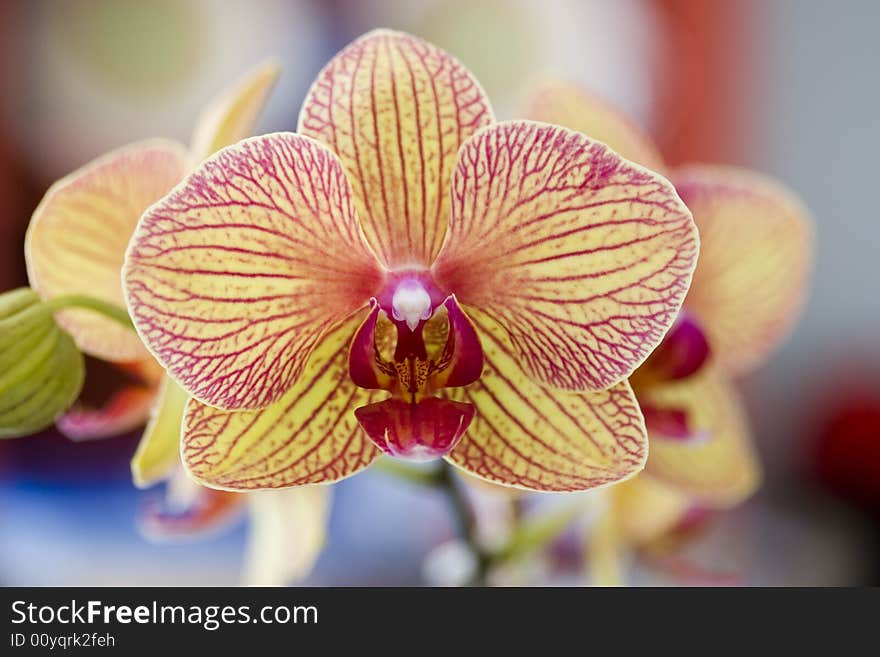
423 431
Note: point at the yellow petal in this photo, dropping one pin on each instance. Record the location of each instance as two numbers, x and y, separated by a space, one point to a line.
720 470
288 529
755 261
159 448
582 256
528 437
232 116
567 104
646 508
396 110
78 234
606 549
308 436
233 278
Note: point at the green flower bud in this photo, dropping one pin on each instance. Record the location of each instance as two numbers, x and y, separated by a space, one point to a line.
41 369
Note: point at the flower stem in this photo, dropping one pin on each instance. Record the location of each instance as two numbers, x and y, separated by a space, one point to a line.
111 310
467 522
442 479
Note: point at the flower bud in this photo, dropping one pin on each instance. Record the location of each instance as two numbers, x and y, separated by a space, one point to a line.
41 369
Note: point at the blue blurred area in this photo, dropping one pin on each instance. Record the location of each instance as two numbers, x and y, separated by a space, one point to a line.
68 517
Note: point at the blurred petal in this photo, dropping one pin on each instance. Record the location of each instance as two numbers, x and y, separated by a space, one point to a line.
126 409
527 437
159 448
396 110
78 234
308 436
147 371
41 370
232 116
606 552
664 423
288 528
684 350
583 257
646 508
188 510
568 105
722 468
233 278
755 261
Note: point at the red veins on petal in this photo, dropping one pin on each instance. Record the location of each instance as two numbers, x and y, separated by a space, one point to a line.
234 277
424 430
583 257
309 436
78 234
396 110
526 436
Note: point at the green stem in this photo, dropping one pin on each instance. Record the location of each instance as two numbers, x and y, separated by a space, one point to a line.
443 480
528 535
105 308
422 476
467 523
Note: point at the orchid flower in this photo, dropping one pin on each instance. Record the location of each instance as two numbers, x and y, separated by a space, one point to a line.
406 275
75 245
745 298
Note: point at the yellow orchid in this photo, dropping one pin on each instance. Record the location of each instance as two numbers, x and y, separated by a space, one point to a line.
745 297
407 275
75 245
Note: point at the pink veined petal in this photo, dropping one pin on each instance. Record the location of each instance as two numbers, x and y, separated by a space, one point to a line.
582 256
396 110
526 436
308 436
77 237
234 277
756 256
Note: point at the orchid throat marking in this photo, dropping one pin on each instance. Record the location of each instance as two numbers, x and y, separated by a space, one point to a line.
415 341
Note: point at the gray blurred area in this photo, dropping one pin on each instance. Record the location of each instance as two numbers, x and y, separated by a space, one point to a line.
821 135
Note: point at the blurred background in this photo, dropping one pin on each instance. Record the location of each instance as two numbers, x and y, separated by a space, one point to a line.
787 87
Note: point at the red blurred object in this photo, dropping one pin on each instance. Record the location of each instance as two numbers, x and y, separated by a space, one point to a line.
707 82
846 455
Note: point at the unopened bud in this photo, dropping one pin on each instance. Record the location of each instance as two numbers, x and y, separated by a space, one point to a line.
41 369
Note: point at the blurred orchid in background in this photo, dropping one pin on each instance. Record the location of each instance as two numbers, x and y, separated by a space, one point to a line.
499 280
746 296
75 246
